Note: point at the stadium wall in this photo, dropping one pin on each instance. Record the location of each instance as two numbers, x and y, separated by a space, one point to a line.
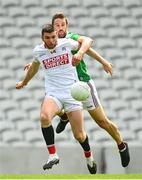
29 160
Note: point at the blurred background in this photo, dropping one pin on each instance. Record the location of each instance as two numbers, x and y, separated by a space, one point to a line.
116 27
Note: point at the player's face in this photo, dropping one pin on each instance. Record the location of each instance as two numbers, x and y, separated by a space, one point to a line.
60 25
50 39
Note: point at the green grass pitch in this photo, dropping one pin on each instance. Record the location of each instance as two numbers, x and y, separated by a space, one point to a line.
73 176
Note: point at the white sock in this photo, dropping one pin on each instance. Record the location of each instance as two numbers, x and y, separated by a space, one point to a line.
90 160
52 157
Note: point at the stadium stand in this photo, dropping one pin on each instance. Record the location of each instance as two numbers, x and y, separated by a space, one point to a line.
16 115
17 12
117 32
12 32
70 4
24 22
114 26
131 3
111 4
135 125
119 12
6 126
91 4
33 136
12 136
9 3
99 12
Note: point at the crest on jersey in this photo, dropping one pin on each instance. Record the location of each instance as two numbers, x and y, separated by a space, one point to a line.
53 51
63 48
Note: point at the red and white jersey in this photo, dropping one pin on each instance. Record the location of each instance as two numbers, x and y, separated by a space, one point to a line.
57 64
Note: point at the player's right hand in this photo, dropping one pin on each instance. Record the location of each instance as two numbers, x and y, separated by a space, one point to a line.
27 66
108 67
20 85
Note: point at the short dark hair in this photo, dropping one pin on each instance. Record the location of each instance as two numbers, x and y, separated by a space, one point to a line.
47 28
59 15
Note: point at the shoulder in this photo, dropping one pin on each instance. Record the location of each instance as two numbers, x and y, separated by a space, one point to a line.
38 47
69 43
63 41
73 36
39 50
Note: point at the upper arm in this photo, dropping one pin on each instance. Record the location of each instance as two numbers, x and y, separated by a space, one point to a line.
82 39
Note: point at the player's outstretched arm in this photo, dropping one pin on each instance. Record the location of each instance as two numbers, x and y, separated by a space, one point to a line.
106 65
27 66
29 75
85 43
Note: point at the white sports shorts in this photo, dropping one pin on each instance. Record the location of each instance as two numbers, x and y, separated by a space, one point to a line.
65 101
93 101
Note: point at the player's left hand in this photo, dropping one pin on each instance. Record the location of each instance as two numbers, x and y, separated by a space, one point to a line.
77 58
27 67
108 67
20 85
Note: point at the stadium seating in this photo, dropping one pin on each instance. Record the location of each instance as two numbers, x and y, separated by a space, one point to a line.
96 33
24 22
128 22
6 126
6 21
9 3
12 32
99 12
117 32
91 4
4 43
28 4
119 12
33 136
50 3
130 94
114 53
16 115
69 4
111 4
115 27
12 136
135 33
17 12
131 3
123 64
128 114
107 22
135 125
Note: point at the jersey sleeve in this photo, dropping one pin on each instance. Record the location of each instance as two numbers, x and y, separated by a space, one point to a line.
74 45
36 55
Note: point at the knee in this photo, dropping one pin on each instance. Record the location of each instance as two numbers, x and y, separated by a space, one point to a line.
45 120
80 136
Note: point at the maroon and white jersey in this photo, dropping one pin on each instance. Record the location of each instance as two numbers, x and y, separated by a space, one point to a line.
57 64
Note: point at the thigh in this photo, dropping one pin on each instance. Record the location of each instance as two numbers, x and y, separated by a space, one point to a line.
76 121
50 106
98 114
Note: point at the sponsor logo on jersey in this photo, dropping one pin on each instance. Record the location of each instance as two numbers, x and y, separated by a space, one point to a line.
56 61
